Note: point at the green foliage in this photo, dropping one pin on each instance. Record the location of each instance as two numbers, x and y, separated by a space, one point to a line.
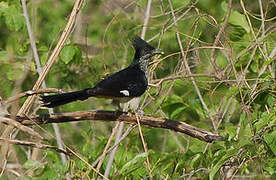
70 53
241 98
134 164
226 155
270 139
236 18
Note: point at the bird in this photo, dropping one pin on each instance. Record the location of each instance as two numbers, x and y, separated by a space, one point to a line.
121 86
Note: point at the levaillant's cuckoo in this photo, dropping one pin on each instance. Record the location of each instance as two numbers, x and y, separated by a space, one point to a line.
121 86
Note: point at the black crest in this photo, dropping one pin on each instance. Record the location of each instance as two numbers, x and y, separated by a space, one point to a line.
141 47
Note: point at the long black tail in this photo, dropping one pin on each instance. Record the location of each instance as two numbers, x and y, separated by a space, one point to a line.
64 98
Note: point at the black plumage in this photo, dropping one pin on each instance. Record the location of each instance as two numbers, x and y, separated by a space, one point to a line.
121 87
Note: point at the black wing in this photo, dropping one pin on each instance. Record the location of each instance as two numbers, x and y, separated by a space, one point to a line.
129 82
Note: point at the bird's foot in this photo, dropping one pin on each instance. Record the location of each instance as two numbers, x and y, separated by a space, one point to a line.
140 112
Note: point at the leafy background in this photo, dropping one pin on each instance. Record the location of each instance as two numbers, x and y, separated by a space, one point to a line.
239 93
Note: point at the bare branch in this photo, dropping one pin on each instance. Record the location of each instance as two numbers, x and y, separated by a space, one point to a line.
33 144
30 93
13 123
122 117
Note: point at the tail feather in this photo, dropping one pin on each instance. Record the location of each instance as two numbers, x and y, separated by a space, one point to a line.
64 98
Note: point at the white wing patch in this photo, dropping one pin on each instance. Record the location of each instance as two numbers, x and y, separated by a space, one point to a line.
125 92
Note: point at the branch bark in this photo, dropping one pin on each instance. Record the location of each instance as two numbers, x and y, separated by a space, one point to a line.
129 118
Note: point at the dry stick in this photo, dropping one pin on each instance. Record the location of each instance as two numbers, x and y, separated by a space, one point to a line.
107 146
144 144
122 117
272 54
146 20
112 154
39 70
33 144
118 132
16 124
212 59
27 105
172 24
89 165
6 133
159 81
130 128
31 92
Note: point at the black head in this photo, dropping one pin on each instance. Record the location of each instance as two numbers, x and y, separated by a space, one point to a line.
143 48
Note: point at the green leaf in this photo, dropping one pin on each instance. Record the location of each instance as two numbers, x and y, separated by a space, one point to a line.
135 163
171 104
245 133
268 61
44 58
78 54
236 18
221 61
232 91
231 131
262 122
3 7
197 146
13 19
196 160
270 139
4 56
67 54
224 158
239 19
177 112
31 164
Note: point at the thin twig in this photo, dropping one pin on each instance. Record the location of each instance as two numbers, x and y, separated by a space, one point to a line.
144 144
146 20
13 123
107 146
160 81
89 165
34 144
113 153
212 59
130 128
32 39
30 93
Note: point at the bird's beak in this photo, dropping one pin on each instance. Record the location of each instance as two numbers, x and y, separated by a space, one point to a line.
157 51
